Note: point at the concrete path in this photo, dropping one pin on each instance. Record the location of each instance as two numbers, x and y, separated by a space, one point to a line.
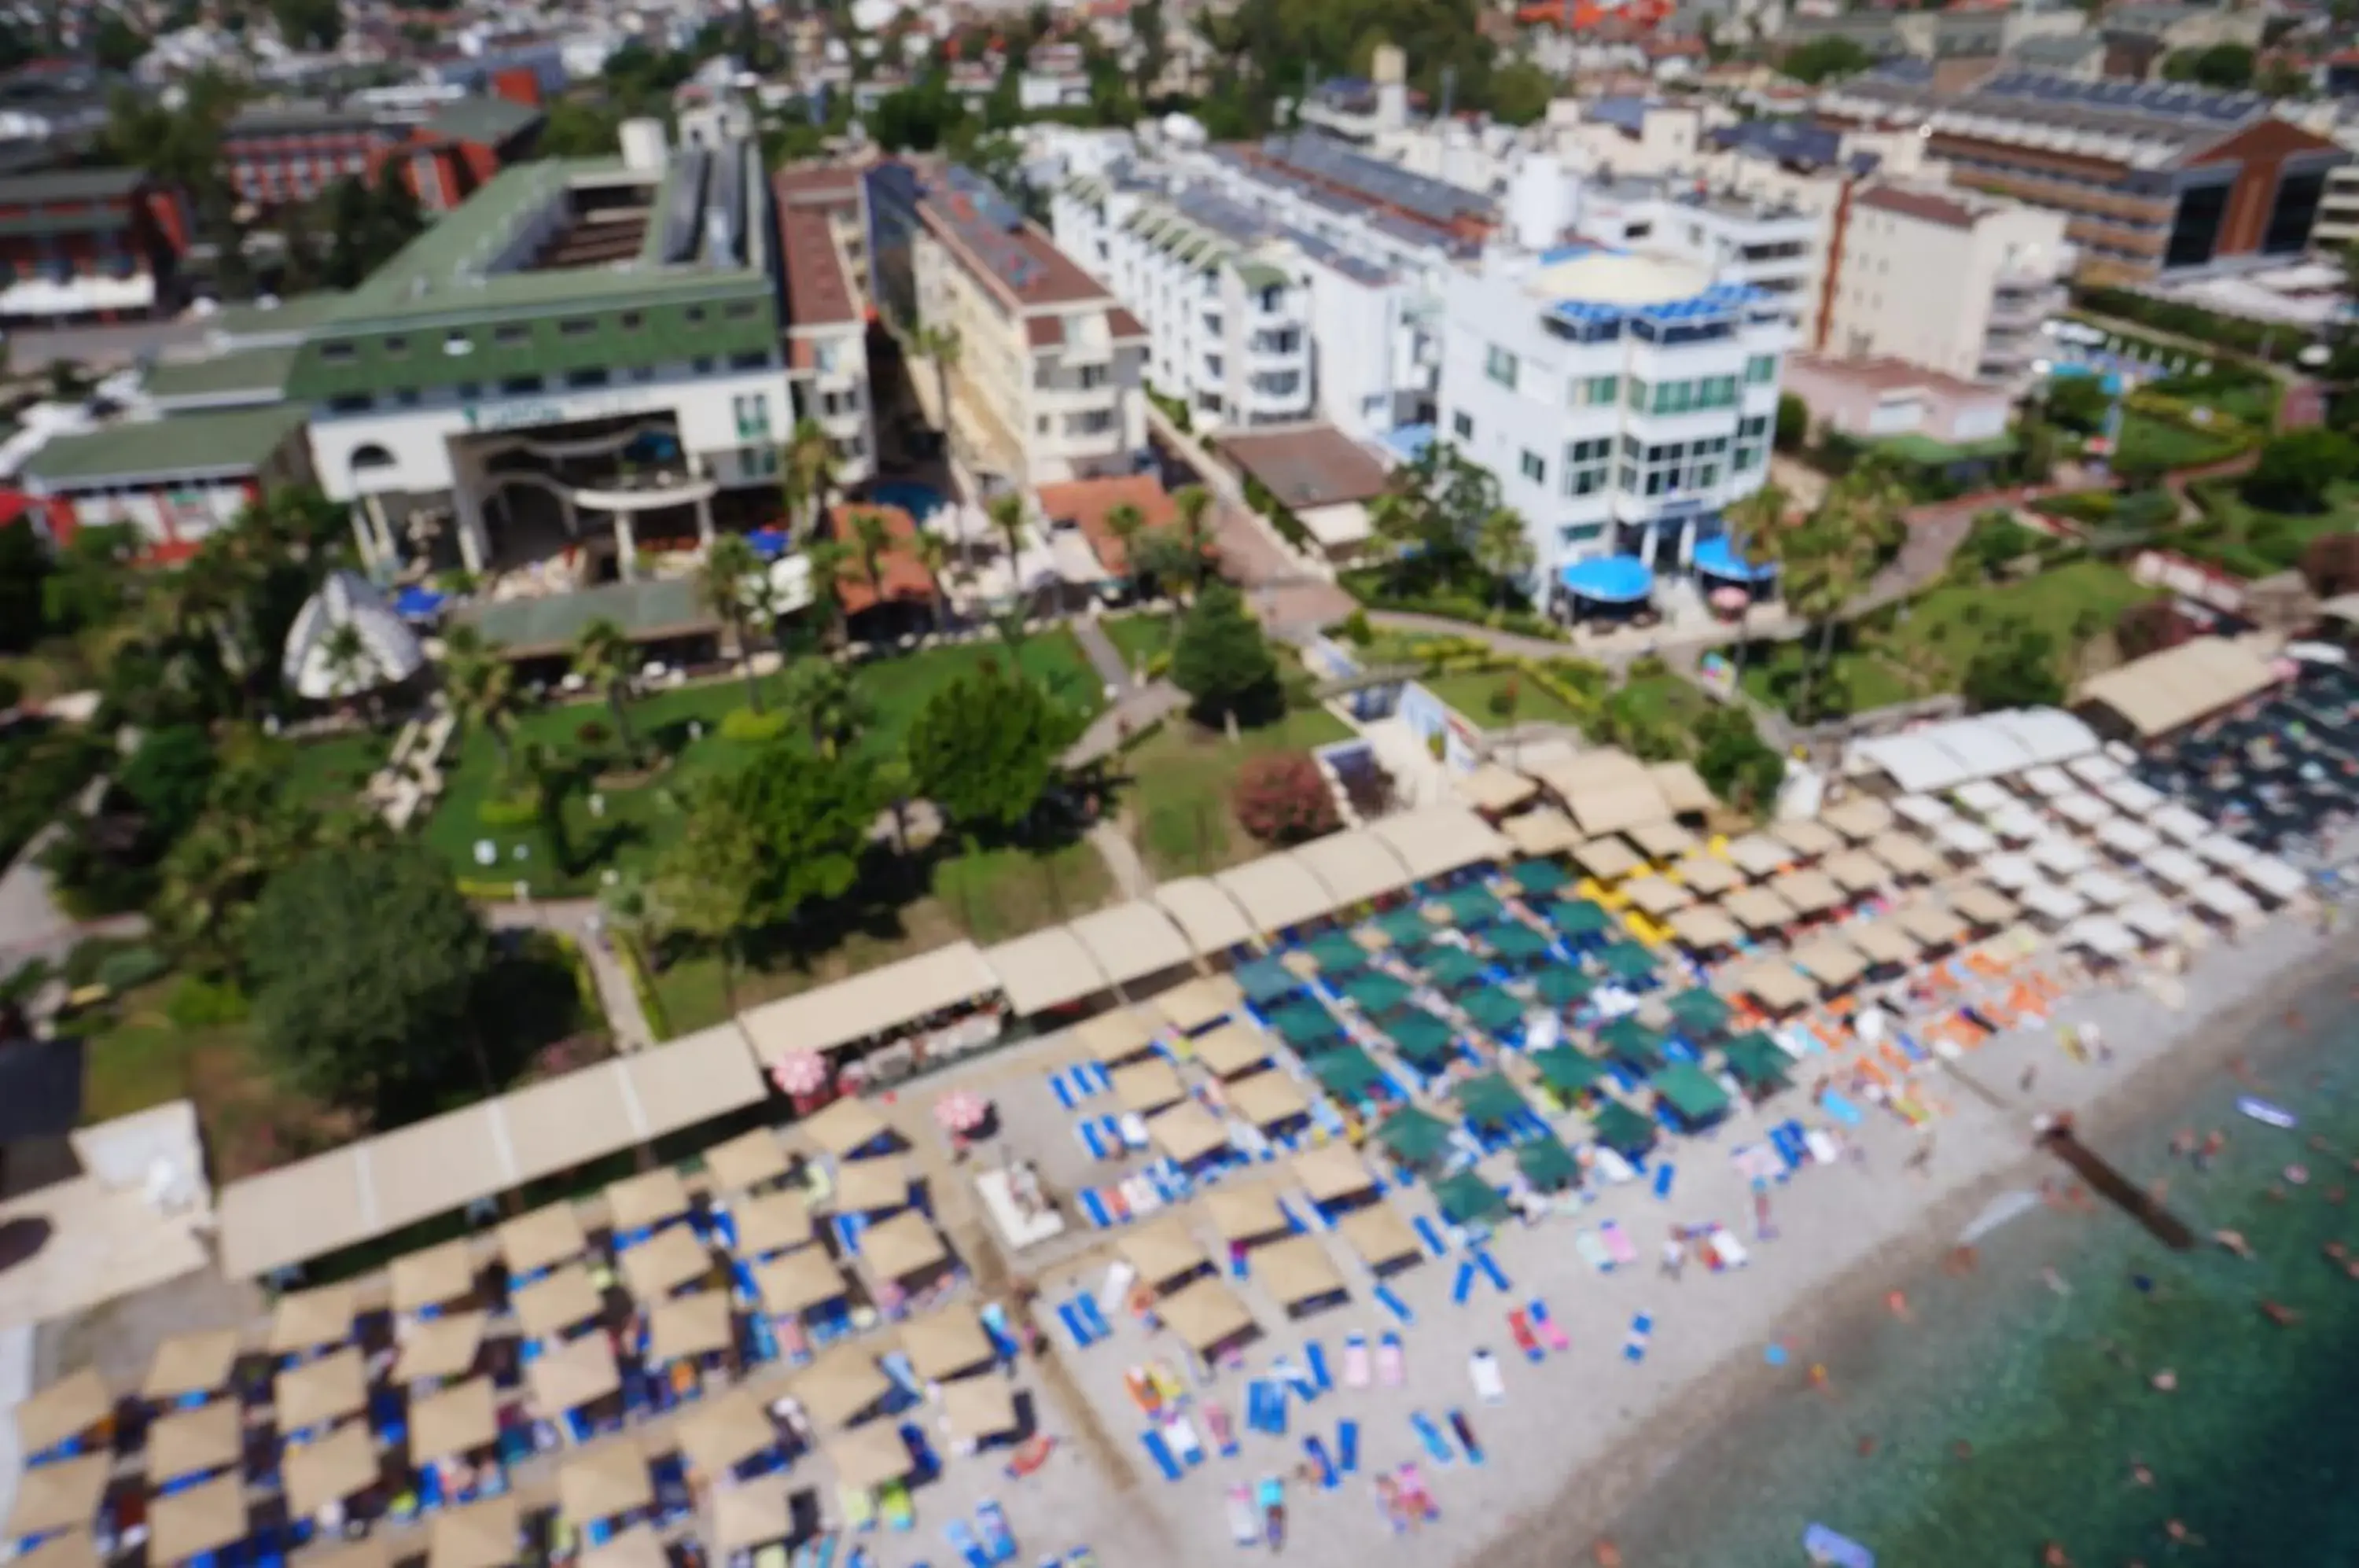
1104 658
1131 878
573 916
1131 711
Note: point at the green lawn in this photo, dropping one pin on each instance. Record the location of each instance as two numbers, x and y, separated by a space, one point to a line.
1662 701
636 824
1892 660
988 896
1176 801
1139 637
1473 692
2149 442
2254 543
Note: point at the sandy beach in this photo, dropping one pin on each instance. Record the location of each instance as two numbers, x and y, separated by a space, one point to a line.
1579 1434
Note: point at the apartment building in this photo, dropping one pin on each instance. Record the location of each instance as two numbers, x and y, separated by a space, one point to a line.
1228 320
826 326
2153 181
1623 400
276 154
1048 381
1995 268
1772 245
83 244
2338 209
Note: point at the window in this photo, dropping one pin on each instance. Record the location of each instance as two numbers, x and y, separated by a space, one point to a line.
695 314
1760 370
1093 377
1462 424
358 403
742 310
1717 392
455 343
520 386
1752 427
511 337
1533 468
1638 399
754 359
394 348
336 354
1585 463
1500 366
702 364
752 414
470 390
594 377
576 327
1097 422
629 321
406 398
1596 391
1579 533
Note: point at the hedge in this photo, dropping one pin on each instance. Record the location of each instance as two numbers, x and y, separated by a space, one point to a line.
2192 321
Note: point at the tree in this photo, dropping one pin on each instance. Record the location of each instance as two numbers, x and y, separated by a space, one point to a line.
2156 624
25 571
985 748
1823 59
116 44
1127 522
873 539
1194 503
829 559
1734 761
721 585
2296 471
362 967
705 887
1283 798
933 553
368 223
603 657
481 683
2225 68
1223 661
1006 511
1827 559
1520 93
1793 422
169 778
918 117
309 25
2331 564
577 127
2014 668
824 702
2079 403
1504 549
808 819
807 474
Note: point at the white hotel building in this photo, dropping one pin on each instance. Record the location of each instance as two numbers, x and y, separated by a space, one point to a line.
1623 400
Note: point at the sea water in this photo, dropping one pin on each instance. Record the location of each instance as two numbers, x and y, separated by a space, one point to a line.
2002 1413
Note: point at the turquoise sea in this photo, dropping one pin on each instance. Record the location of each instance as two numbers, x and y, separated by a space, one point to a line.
2256 1452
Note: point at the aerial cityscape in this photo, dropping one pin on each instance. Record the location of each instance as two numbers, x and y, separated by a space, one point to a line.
1139 782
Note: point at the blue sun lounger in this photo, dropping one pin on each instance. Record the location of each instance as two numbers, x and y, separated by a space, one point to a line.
1633 1348
1347 1446
1664 1174
1315 1355
1318 1457
1391 1302
1095 1208
1463 1286
1086 1129
1087 1306
1492 1271
1437 1447
1160 1451
1424 1225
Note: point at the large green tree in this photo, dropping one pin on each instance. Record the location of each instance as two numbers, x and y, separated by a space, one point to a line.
985 749
809 820
364 967
2015 667
1223 661
2296 472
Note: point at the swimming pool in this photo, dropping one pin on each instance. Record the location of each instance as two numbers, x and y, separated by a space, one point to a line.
921 501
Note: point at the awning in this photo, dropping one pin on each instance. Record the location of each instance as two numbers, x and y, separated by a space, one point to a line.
566 1377
479 1535
1656 896
663 1263
1190 1006
308 1319
2053 902
943 1344
1205 914
1759 909
456 1419
1437 840
2222 850
747 1518
1277 892
2170 689
1758 855
2174 868
842 1385
317 1392
2179 824
2081 809
2134 796
1661 841
1982 905
1885 941
1161 1252
979 1407
1703 927
1046 969
1494 789
1543 830
1609 579
868 1458
1717 557
745 1161
1147 1085
1246 1212
1966 839
200 1519
1354 866
1378 1235
65 1493
2102 935
1708 875
1233 1048
1858 819
844 1125
545 1236
1187 1132
1607 858
1333 1171
647 1199
1607 791
700 1323
197 1363
1810 892
431 1277
2103 889
798 1281
1808 839
1776 985
443 1346
1131 942
604 1481
1298 1271
1855 871
329 1470
1268 1099
1931 924
1117 1036
904 1245
876 1001
1832 962
1205 1316
2270 877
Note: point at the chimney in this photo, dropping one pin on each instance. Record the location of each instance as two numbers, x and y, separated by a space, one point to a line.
1391 72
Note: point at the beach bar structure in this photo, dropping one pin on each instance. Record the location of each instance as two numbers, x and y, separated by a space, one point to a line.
2164 693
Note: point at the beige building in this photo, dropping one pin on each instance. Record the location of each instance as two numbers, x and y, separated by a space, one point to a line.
1047 382
1947 279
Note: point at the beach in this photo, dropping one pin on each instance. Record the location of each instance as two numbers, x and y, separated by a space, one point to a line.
1582 1435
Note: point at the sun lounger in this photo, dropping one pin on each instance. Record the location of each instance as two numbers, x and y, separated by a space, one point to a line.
1223 1432
1618 1243
1491 1271
1086 1129
1388 1298
1266 1406
998 1541
893 1504
1464 1431
1426 1233
1391 1369
961 1539
1095 1320
1463 1286
1060 1086
1437 1447
1664 1174
1315 1356
1633 1347
1482 1370
1546 1326
1519 1327
1355 1361
1132 1129
1328 1474
1120 1277
1073 1326
1160 1451
1347 1446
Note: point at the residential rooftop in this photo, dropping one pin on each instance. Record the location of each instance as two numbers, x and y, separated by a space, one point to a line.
993 241
180 446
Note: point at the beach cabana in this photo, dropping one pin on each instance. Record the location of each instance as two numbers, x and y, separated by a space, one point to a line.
339 1466
2060 856
1621 1129
1336 954
867 1457
747 1163
1759 854
1537 878
1299 1276
312 1320
1693 1098
440 1348
2132 797
1350 1073
1163 1255
639 1203
2101 936
66 1493
2222 850
841 1387
1334 1173
1577 917
672 1259
556 1303
2104 889
1543 830
1114 1038
188 1442
1306 1026
903 1248
1777 985
1147 1086
1547 1164
1661 841
1265 980
1413 1136
1188 1133
723 1432
1656 896
1489 1101
1200 1003
1376 993
1247 1216
2172 867
2015 822
1699 1013
190 1367
1885 943
1810 892
1628 1040
1607 859
1516 943
774 1222
1450 968
1626 961
748 1519
1981 796
1831 961
58 1420
2052 903
1421 1038
486 1534
1380 1238
428 1280
794 1283
1923 811
567 1379
319 1392
456 1420
1754 1059
2127 840
531 1244
1231 1051
1566 1071
1561 985
1905 853
1855 871
2270 877
2047 782
690 1328
1270 1101
980 1410
2082 810
1495 1012
601 1484
1760 909
1808 839
1466 1199
1704 928
186 1525
947 1343
2152 920
1492 789
2010 871
1707 874
873 1186
2223 900
1858 819
1465 907
846 1127
1965 840
1985 909
1208 1318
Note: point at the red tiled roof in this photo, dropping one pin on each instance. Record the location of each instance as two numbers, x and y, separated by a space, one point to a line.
1088 503
817 185
1923 205
1044 332
906 579
1052 279
818 292
1124 325
1309 466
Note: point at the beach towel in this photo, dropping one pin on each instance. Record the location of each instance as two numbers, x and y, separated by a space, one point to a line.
1180 1433
1842 1110
1633 1347
998 1541
1520 1327
1391 1368
1390 1300
1437 1447
961 1538
1417 1494
1318 1452
1618 1243
1355 1361
1594 1251
1347 1446
1224 1435
1466 1432
1245 1520
1547 1325
1483 1370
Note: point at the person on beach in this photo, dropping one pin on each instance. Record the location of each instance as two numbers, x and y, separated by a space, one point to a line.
1675 1257
2030 1076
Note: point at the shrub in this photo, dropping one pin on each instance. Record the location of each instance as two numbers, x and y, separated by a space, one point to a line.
130 968
1356 630
517 809
1282 798
2295 470
748 727
89 954
203 1004
592 734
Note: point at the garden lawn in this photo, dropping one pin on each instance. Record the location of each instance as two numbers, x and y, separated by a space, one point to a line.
1472 692
988 896
1663 702
1181 777
1894 661
334 769
1139 637
2251 542
2149 442
636 824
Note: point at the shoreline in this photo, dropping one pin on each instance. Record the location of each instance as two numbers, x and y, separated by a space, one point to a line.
1603 1493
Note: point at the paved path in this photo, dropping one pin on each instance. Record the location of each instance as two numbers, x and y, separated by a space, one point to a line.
624 1018
1131 711
1131 878
1104 658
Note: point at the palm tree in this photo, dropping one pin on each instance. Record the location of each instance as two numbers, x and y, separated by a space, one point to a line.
602 654
1824 563
1194 502
1127 522
1503 548
1007 513
941 345
871 538
807 474
728 561
933 553
481 687
829 559
824 700
351 663
1757 520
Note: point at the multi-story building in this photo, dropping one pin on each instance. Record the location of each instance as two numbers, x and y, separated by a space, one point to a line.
1047 384
1228 321
1997 270
2152 180
89 244
581 342
1775 246
282 153
2338 209
827 326
1623 400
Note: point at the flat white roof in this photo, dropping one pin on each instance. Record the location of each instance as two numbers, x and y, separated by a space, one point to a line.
1988 745
870 1003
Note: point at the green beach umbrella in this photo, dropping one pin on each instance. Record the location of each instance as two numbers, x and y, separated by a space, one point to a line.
1700 1010
1627 1040
1349 1073
1579 917
1378 992
1622 1129
1490 1100
1265 979
1561 985
1567 1070
1414 1137
1466 1199
1539 877
1419 1036
1690 1091
1467 906
1493 1010
1513 939
1304 1023
1453 966
1628 960
1336 954
1407 927
1547 1164
1756 1060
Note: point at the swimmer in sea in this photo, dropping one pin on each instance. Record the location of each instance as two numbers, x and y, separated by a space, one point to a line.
2053 1555
1963 1449
1608 1556
2284 1317
2141 1472
2165 1382
2181 1535
1866 1446
2233 1241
